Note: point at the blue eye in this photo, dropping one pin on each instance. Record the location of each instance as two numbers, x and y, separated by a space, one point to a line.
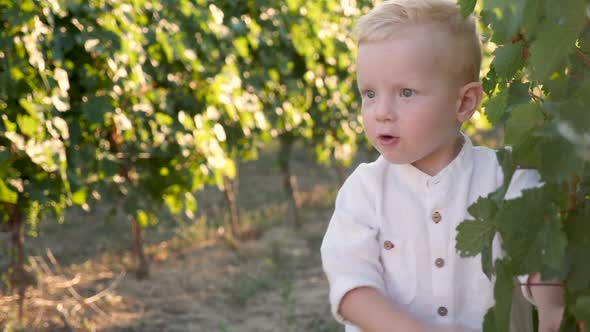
370 94
406 92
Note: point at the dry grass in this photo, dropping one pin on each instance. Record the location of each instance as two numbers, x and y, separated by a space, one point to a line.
200 281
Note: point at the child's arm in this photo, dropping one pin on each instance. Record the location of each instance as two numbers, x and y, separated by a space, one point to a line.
549 302
368 309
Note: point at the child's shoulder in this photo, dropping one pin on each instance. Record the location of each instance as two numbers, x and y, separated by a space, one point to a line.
369 170
367 175
484 154
485 162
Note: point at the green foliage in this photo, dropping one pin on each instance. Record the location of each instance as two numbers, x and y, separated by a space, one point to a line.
539 94
467 6
142 103
145 103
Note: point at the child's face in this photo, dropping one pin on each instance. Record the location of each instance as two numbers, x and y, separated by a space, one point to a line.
409 97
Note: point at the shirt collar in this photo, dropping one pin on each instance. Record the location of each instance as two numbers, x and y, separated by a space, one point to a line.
421 181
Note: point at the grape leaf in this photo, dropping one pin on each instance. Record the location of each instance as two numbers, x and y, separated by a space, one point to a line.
6 194
489 321
523 119
79 197
527 152
518 93
582 308
577 228
506 161
508 60
576 113
467 6
556 36
474 236
559 159
531 233
495 107
503 295
490 81
483 209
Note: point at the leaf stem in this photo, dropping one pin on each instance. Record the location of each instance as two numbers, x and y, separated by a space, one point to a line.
536 97
550 284
583 56
572 199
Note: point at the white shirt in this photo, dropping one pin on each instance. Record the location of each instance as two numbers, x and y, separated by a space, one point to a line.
394 229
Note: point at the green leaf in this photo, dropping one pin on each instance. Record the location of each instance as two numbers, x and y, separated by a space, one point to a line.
553 242
503 296
504 17
577 229
496 106
489 321
508 60
27 124
523 119
518 93
527 152
483 209
5 156
7 195
96 107
568 322
164 119
79 197
506 161
531 232
190 204
173 203
473 236
559 159
556 36
490 81
241 45
486 261
575 113
467 7
582 308
476 236
142 218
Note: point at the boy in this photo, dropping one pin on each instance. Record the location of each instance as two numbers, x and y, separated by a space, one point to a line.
389 251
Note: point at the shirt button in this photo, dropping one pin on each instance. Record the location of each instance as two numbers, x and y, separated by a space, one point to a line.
442 311
436 217
388 245
439 262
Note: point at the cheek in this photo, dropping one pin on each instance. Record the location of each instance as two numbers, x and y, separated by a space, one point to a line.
367 124
434 114
366 115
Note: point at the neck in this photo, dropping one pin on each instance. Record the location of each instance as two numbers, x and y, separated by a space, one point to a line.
439 159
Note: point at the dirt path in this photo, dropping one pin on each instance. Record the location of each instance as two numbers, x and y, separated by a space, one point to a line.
274 283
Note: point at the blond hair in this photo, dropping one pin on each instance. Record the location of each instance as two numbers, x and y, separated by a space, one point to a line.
383 21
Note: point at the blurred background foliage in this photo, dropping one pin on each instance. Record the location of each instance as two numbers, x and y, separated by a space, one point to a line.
140 104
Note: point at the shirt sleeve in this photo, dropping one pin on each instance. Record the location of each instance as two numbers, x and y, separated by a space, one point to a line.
350 249
521 180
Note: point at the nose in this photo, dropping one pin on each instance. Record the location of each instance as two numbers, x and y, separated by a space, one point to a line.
385 110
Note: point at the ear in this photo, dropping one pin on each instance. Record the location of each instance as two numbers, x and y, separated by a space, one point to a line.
470 96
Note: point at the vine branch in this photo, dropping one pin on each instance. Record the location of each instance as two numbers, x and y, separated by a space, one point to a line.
583 56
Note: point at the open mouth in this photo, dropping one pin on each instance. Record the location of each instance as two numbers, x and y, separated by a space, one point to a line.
387 139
